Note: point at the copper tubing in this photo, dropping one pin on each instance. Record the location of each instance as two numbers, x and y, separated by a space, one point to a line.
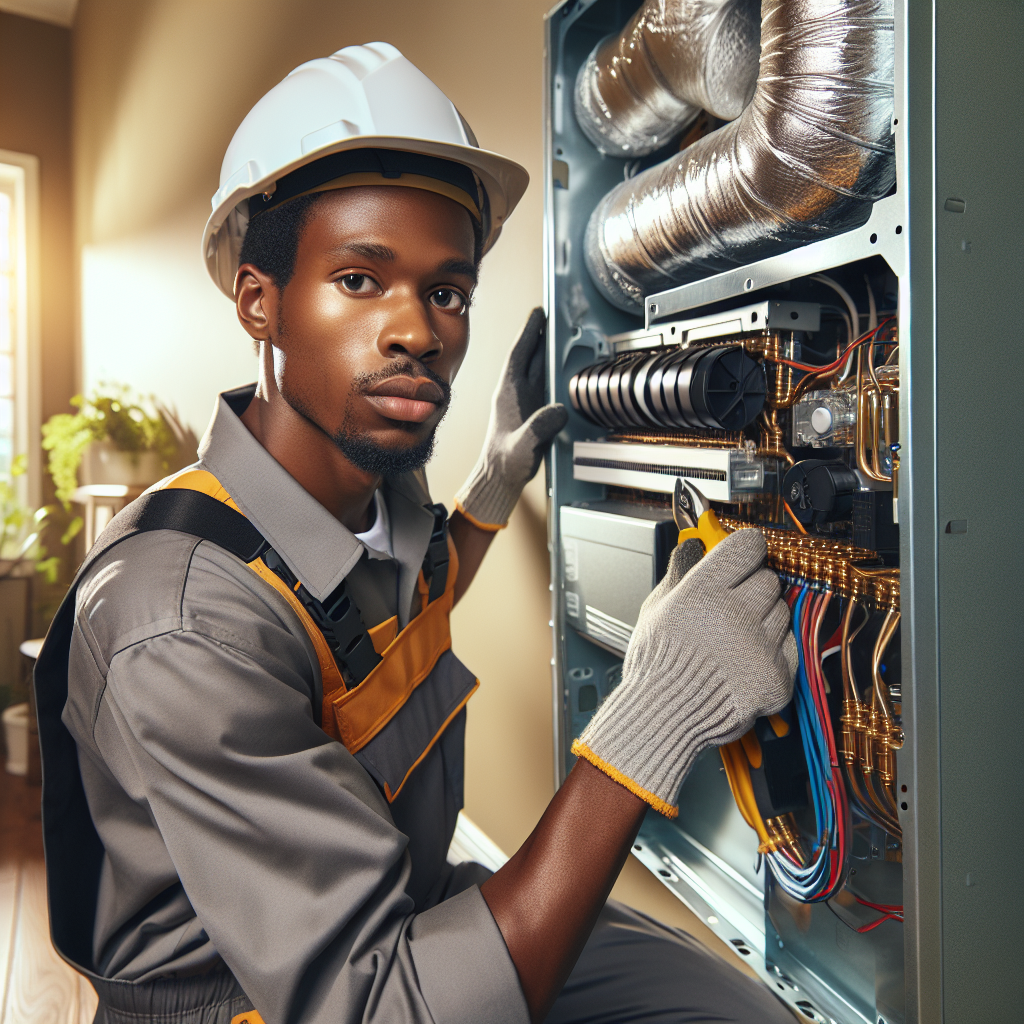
879 767
867 416
855 742
885 635
772 442
853 717
875 407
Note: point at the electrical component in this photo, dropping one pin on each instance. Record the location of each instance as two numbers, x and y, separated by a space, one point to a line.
721 474
825 419
611 562
819 492
718 388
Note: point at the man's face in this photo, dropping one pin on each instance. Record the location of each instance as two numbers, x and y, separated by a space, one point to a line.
373 326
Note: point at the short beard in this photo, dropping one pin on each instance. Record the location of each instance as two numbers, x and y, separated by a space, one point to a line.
365 453
374 458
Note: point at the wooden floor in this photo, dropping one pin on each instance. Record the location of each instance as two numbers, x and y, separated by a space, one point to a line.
36 986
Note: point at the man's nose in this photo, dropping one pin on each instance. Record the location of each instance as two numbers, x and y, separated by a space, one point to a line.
408 330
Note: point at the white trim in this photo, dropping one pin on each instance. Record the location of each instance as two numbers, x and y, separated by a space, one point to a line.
22 170
470 842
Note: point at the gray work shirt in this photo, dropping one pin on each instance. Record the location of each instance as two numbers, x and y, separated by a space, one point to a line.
235 830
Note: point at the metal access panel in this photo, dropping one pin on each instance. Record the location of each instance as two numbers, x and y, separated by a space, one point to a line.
943 255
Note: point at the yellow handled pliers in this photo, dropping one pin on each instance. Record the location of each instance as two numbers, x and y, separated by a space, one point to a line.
695 517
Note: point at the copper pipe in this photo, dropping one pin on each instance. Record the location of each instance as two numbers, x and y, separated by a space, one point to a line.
875 405
860 439
885 635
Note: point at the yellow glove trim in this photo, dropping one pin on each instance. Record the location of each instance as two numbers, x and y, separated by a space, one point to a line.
486 527
582 750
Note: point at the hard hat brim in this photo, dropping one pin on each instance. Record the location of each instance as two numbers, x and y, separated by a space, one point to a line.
504 181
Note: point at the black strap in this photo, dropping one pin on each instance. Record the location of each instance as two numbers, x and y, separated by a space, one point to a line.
435 562
189 512
74 852
340 621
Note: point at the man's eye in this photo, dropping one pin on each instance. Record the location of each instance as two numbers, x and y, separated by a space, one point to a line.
358 284
448 299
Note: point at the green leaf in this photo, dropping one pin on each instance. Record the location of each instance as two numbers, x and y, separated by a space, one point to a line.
73 530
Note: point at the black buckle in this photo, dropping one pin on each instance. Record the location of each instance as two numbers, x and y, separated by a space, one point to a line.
435 562
340 621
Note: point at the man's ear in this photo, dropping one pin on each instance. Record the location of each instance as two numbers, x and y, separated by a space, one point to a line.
256 299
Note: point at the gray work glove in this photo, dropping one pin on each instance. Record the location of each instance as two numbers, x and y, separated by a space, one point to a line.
519 433
712 651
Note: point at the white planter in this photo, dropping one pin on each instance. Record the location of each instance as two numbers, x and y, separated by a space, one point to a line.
102 463
15 720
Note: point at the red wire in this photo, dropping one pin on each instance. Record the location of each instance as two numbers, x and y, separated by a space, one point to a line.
874 924
888 908
842 359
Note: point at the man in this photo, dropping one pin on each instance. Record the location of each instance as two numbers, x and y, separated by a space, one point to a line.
250 714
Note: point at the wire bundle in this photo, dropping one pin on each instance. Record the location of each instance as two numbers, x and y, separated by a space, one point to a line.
820 876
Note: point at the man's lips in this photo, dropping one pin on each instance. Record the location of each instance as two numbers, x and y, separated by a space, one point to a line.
412 400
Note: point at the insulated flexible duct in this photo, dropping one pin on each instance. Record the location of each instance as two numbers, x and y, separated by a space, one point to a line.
676 57
803 161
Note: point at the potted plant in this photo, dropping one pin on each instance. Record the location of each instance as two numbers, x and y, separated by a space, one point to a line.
113 437
22 556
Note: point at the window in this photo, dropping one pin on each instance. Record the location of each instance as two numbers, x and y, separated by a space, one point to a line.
19 321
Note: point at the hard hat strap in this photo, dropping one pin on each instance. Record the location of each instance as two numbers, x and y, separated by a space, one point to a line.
356 167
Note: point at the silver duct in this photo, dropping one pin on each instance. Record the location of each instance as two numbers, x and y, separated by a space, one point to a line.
675 58
803 161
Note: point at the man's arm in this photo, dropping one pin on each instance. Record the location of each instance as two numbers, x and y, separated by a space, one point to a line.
546 899
192 698
711 651
471 543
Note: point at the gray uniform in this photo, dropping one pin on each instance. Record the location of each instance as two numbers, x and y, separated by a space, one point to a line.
237 834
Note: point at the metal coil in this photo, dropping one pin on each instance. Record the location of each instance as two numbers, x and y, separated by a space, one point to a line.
675 57
804 160
719 388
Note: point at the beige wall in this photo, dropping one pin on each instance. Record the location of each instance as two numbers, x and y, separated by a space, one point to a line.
160 86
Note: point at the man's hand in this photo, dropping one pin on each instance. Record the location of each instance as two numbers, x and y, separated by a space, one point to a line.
711 651
520 430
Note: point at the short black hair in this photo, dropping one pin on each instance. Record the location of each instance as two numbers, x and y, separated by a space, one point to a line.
271 240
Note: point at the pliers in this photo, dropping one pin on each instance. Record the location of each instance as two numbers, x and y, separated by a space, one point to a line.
694 516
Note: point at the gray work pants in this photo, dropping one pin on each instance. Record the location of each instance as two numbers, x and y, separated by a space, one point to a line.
633 970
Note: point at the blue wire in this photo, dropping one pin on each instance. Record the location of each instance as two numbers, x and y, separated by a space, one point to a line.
809 883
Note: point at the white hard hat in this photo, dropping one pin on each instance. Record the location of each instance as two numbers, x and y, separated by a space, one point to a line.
360 98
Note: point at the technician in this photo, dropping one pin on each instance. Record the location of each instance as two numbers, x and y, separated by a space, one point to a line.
251 718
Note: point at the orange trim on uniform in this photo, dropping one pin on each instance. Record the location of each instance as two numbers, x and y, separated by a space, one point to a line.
248 1017
382 636
661 806
206 483
357 716
198 480
486 527
391 797
329 672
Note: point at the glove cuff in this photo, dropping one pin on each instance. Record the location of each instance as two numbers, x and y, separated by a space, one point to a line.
580 749
487 498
